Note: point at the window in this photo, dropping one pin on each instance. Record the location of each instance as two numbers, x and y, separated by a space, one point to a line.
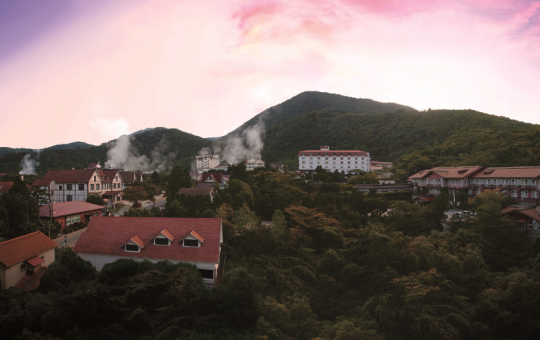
191 243
81 186
524 193
91 187
69 186
514 193
69 198
132 247
114 185
97 186
23 266
530 224
161 241
207 273
534 194
94 178
60 187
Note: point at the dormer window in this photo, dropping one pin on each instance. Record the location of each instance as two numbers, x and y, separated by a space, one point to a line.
163 238
192 240
132 248
191 243
134 245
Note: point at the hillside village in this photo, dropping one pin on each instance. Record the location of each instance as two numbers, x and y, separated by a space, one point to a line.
334 242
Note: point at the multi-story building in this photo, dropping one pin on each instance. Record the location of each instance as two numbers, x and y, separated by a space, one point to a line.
331 160
204 163
521 183
76 185
129 177
46 195
255 162
379 166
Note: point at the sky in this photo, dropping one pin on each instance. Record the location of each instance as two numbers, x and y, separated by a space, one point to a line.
86 70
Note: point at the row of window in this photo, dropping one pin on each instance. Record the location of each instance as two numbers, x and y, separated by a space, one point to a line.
337 166
513 193
331 153
361 158
303 162
503 181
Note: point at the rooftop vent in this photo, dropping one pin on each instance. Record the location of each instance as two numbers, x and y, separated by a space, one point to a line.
462 171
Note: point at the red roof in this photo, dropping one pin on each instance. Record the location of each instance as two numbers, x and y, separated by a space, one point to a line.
42 182
531 213
127 176
71 176
106 235
36 261
30 282
24 247
92 165
3 174
510 172
5 186
112 193
217 176
68 208
333 153
195 191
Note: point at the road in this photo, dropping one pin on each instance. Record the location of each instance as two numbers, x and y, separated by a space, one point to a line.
71 238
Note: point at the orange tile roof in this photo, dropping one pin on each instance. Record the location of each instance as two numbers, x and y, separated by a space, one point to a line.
529 213
138 241
24 247
31 282
42 182
106 235
194 234
68 208
167 234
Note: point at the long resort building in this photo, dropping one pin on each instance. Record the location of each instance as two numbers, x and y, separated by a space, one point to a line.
331 160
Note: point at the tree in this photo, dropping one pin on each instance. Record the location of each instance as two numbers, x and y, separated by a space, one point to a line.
134 194
217 201
179 179
96 199
238 201
438 207
156 178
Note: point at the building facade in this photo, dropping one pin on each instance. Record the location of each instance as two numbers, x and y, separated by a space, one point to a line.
24 259
521 183
255 162
205 163
67 213
382 188
191 240
331 160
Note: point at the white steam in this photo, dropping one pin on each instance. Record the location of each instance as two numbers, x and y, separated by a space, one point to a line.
241 147
122 155
28 164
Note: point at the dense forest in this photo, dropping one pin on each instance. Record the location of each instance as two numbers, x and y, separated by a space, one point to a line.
444 137
332 265
172 145
310 101
74 145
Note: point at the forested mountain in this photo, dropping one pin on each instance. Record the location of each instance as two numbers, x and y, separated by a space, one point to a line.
5 150
311 101
74 145
175 144
433 138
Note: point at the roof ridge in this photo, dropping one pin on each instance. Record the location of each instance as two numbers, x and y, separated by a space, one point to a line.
19 237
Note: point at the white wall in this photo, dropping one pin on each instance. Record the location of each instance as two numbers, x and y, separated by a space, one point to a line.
99 260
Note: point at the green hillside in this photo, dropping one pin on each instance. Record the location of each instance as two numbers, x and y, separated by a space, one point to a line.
177 145
311 101
74 145
413 140
5 150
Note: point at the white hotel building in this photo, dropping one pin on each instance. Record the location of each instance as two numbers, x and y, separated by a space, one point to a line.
331 160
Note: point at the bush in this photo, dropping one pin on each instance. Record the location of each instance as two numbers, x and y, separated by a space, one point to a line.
137 204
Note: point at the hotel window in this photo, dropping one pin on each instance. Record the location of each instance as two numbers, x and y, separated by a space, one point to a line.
81 186
534 194
470 192
69 186
514 193
524 193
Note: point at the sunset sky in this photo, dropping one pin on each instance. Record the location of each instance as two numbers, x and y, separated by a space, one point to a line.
87 70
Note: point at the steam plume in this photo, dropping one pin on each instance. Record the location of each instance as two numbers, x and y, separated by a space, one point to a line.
28 164
241 147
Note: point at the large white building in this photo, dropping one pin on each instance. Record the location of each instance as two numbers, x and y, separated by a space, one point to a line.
331 160
255 162
205 163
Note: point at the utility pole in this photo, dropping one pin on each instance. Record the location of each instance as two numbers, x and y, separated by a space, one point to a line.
50 209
